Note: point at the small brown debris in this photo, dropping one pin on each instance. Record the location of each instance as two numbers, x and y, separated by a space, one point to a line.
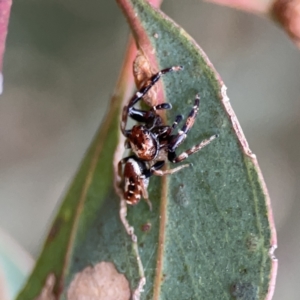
244 290
55 229
146 227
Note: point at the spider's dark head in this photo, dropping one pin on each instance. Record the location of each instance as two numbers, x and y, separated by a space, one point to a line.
143 143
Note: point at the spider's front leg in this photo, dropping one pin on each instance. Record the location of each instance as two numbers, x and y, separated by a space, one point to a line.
143 116
140 115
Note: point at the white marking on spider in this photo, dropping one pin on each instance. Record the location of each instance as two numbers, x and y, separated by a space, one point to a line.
184 155
135 167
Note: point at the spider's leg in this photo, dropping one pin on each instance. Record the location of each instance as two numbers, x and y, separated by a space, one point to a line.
158 165
140 94
146 116
181 136
169 171
176 159
162 106
177 120
130 110
164 131
155 169
144 193
144 181
142 116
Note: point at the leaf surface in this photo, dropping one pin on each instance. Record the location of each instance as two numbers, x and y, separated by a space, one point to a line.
211 230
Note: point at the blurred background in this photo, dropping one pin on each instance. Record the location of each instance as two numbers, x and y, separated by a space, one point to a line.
61 64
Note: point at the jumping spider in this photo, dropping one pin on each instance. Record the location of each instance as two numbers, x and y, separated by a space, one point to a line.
153 143
142 139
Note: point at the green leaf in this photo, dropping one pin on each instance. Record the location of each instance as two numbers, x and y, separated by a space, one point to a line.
210 234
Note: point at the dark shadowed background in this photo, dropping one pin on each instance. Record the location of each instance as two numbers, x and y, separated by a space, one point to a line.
60 68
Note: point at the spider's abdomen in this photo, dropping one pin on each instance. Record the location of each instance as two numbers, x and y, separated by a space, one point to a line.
143 143
134 179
